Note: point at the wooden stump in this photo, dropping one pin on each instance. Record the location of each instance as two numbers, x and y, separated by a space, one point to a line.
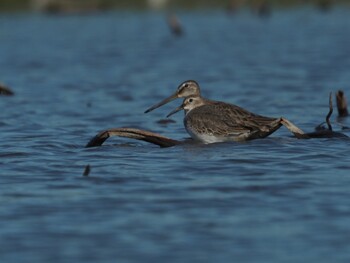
342 104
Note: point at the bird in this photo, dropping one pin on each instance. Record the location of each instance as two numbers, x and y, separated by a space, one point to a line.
240 124
185 89
210 121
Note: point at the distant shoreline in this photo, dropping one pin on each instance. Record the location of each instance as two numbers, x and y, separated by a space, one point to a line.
100 5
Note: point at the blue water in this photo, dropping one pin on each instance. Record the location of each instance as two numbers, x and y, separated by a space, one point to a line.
277 199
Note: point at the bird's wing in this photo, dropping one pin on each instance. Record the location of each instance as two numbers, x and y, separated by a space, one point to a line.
230 119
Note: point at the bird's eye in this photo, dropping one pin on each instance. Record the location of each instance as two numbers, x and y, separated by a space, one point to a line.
190 100
186 85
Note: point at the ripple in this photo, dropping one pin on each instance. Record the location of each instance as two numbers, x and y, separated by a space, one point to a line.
192 202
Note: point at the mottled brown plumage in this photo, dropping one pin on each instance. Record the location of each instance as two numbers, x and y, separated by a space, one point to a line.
214 121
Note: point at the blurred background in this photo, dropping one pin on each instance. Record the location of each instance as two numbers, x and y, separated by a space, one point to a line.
85 5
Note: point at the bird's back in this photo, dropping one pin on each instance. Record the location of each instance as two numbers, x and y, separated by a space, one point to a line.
228 122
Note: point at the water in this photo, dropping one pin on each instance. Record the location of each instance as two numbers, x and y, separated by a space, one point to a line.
277 199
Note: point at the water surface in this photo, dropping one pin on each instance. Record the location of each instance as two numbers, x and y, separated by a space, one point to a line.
277 199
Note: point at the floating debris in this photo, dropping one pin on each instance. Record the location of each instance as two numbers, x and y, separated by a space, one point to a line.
4 90
87 170
175 25
323 132
165 121
342 104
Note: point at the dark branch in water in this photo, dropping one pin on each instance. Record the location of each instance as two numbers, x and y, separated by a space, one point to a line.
132 133
321 131
330 112
5 90
342 104
87 170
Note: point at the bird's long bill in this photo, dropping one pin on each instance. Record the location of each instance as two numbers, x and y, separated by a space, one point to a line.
174 111
172 97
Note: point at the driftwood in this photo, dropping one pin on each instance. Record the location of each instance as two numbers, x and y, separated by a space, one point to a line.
4 90
298 133
321 131
87 170
342 104
132 133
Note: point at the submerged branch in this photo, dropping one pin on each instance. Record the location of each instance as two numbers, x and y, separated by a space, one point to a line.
330 112
322 132
132 133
